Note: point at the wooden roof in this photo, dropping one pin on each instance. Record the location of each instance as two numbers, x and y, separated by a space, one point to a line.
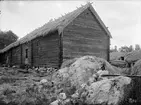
58 24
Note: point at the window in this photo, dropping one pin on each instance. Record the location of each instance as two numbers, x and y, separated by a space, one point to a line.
26 53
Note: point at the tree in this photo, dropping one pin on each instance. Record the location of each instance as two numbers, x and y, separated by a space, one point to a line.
124 49
137 47
114 49
7 38
131 48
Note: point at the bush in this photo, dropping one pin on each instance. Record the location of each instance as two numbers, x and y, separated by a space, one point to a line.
33 94
7 93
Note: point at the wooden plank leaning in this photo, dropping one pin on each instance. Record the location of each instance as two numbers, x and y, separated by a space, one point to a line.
114 75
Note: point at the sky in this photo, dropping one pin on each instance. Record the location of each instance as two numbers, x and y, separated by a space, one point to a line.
122 17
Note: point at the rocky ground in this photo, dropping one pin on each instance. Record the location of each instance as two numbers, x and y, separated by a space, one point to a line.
78 82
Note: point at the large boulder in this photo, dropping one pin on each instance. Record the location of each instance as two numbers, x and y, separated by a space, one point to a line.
82 69
105 92
67 63
110 91
82 80
136 68
136 93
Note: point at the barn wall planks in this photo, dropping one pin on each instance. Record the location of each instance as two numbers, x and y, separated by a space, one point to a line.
42 51
12 56
85 36
23 49
6 57
15 56
46 50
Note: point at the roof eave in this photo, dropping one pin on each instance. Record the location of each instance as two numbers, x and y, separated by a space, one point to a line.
100 21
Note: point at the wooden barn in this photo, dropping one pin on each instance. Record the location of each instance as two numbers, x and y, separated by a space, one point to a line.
76 34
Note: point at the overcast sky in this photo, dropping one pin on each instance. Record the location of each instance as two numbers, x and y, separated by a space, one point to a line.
122 17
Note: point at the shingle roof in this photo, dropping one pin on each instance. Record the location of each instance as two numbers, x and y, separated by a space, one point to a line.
58 24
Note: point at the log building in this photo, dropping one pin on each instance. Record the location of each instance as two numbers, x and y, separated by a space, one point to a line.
76 34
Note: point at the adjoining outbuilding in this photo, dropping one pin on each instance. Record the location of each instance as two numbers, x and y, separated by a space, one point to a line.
133 57
117 56
118 59
76 34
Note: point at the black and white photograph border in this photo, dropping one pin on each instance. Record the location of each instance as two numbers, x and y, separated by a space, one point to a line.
70 52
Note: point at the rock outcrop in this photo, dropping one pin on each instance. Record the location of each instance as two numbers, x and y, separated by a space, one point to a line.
80 82
136 93
84 74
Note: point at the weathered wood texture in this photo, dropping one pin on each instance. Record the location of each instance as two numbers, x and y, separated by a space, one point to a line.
15 57
46 50
1 45
3 58
85 36
42 51
23 48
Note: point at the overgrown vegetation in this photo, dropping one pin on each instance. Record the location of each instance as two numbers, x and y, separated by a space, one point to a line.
23 89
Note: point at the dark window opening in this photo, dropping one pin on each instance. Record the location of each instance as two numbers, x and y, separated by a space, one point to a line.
37 43
129 64
122 58
26 53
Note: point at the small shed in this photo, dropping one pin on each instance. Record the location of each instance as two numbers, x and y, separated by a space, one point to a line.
133 57
78 33
117 56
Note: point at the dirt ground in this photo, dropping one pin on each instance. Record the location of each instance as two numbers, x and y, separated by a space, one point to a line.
19 87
